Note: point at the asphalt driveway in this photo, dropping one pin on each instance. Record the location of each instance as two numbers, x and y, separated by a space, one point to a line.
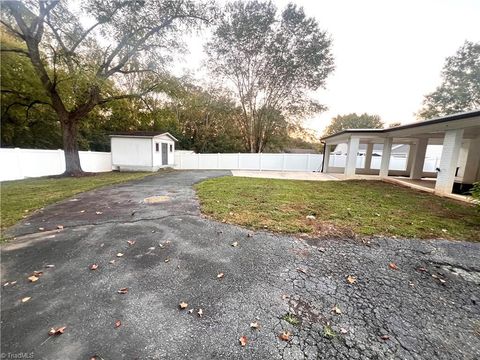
427 308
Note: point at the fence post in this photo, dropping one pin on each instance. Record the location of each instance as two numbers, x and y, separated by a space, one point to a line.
18 152
238 161
283 162
260 161
218 160
198 161
61 159
308 162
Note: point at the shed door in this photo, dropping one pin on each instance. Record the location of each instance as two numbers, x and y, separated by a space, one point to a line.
164 154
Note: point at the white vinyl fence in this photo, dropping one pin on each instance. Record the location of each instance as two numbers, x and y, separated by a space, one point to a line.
396 162
241 161
24 163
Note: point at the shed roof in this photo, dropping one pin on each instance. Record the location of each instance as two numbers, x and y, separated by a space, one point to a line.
142 134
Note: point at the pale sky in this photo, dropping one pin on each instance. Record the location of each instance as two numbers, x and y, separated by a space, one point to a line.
388 53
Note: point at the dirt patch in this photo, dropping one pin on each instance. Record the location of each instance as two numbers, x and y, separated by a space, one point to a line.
156 199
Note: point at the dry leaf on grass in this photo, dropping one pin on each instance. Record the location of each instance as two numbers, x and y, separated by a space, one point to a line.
25 299
243 341
183 305
285 336
393 266
94 267
351 279
118 323
57 331
123 291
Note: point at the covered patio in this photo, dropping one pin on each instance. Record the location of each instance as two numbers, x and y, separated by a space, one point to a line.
457 170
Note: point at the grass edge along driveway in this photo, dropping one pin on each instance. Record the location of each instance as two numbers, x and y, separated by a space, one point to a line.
339 208
19 198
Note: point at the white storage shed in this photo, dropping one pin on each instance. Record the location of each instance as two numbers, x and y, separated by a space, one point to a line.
142 150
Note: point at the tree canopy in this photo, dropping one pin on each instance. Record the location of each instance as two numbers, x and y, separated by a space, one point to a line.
272 60
353 121
460 87
128 44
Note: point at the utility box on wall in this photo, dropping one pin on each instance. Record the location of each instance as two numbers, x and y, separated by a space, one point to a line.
142 150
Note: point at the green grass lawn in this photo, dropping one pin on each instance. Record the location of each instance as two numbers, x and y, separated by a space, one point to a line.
21 197
341 208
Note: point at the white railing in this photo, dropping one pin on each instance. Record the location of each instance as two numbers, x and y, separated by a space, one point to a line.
24 163
242 161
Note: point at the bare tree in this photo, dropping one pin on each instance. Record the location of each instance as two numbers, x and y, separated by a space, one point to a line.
126 44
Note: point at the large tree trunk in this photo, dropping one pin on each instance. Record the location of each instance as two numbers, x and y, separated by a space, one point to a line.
70 147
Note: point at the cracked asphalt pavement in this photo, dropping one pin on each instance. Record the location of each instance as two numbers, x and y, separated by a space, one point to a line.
427 309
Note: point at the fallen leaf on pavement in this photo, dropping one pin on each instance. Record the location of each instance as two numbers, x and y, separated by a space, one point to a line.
41 228
249 235
220 275
351 279
98 212
422 269
254 325
32 278
166 260
200 312
59 227
123 291
243 340
131 242
303 271
13 282
183 305
119 255
343 331
336 310
235 244
93 267
25 299
190 311
49 266
112 261
37 273
384 337
118 323
393 266
57 331
285 336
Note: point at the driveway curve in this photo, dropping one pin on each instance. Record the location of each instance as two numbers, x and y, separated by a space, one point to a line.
426 308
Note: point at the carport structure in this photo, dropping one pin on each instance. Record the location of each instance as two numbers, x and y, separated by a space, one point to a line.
460 160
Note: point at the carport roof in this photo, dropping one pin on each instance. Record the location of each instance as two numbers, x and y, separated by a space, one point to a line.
419 124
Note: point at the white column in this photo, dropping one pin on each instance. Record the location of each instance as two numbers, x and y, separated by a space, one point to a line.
326 158
473 162
412 148
452 143
352 152
419 159
386 152
368 157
